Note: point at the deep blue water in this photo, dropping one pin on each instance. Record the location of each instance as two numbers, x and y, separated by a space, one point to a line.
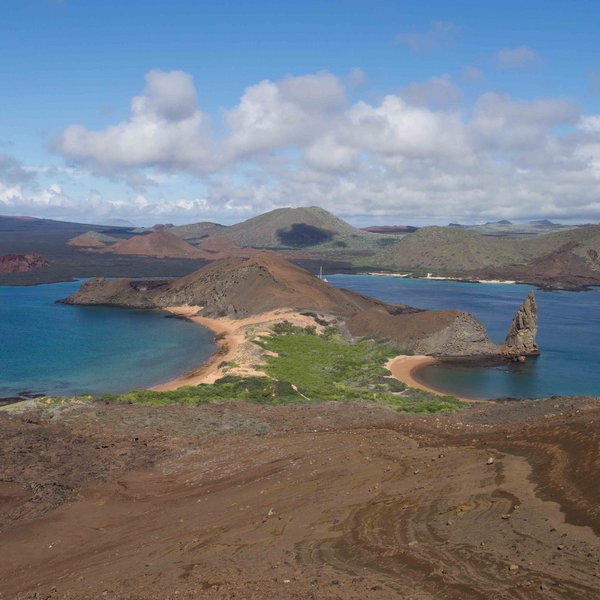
56 349
568 336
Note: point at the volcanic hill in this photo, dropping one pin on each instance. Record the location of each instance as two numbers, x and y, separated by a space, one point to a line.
92 239
564 258
160 244
240 287
289 228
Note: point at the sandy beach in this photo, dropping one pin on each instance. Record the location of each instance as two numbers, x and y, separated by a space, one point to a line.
234 344
403 368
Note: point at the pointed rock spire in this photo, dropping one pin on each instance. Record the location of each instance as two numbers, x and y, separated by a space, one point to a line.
520 341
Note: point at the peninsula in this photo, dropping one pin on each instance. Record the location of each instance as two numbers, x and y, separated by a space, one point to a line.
232 294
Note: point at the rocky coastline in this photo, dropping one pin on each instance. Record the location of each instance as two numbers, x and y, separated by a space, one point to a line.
238 288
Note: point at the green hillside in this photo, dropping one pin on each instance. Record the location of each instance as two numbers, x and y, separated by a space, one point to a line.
454 250
292 229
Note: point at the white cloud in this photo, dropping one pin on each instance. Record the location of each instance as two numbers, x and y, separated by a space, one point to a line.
327 154
274 115
397 128
439 35
165 128
590 123
423 153
517 58
12 171
501 122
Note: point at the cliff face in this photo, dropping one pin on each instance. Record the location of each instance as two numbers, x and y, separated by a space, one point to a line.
21 263
520 341
449 333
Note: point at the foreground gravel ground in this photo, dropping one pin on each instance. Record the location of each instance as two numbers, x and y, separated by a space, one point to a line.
315 501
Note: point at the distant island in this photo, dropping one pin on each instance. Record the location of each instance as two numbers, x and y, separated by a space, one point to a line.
540 252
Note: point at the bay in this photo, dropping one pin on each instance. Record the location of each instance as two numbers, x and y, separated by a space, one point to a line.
58 349
568 337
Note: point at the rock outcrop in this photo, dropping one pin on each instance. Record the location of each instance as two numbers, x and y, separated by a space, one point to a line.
22 263
448 333
520 341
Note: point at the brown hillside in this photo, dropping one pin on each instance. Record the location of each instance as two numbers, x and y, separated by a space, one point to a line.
234 287
435 332
21 263
562 267
160 244
92 239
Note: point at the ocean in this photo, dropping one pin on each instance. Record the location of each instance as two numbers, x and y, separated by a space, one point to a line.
57 349
568 336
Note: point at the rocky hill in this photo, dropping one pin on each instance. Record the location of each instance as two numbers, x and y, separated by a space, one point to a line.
289 228
569 257
92 239
22 263
194 233
238 287
160 244
232 287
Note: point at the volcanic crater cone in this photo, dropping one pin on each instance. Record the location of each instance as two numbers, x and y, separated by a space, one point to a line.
160 244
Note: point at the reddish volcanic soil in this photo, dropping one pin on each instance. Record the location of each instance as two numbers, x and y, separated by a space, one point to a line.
21 263
160 244
317 501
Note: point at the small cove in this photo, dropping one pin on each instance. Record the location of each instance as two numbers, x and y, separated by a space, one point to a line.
569 329
57 349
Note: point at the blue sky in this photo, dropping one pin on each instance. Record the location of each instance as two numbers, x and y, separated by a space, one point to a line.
415 112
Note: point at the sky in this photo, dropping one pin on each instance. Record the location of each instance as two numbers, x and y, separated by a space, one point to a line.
381 111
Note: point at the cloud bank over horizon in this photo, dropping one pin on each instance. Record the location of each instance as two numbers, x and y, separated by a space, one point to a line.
423 153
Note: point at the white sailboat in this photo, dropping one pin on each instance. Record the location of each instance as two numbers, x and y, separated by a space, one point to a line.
321 275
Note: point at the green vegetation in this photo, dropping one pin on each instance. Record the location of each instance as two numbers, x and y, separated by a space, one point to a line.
308 367
291 228
252 389
325 367
446 250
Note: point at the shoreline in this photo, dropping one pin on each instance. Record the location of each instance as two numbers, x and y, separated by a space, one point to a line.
405 368
224 339
234 344
230 337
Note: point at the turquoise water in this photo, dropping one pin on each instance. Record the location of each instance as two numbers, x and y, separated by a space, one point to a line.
57 349
569 335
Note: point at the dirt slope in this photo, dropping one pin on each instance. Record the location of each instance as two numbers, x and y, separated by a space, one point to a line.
160 244
306 501
235 287
92 239
432 332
